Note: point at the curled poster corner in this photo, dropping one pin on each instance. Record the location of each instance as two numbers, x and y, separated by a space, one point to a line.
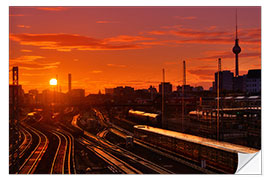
249 163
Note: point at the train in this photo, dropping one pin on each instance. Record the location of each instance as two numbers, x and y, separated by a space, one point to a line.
32 117
220 157
139 117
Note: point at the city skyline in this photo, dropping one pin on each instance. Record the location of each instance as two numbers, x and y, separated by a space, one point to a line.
105 47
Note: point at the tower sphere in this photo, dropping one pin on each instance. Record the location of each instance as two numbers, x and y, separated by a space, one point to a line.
236 49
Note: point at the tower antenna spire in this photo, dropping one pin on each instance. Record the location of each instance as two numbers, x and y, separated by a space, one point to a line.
236 30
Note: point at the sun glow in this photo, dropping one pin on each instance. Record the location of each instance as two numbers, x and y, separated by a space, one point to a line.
53 82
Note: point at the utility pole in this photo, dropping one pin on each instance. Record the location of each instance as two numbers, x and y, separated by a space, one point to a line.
183 93
164 123
14 123
69 82
219 70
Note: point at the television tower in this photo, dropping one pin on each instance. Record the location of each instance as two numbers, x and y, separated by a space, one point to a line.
236 49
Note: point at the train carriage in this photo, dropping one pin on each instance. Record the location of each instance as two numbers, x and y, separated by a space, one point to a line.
152 119
220 156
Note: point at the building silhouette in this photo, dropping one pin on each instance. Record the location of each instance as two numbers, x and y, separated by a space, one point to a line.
167 87
253 81
225 81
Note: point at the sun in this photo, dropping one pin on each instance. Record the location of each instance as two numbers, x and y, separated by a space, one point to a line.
53 82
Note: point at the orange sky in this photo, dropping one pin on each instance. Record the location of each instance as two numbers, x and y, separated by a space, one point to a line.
113 46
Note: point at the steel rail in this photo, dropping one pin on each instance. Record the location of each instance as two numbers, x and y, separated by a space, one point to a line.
56 153
71 149
137 158
24 147
42 151
29 166
73 156
22 133
65 152
109 158
163 152
32 153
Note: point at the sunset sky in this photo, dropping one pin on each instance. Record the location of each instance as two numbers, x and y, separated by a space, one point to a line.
105 47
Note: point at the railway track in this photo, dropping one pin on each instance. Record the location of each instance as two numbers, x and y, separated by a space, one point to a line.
31 162
71 155
115 163
58 164
122 133
64 161
25 142
137 159
28 139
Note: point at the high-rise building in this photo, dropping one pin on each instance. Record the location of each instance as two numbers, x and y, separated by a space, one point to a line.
108 90
253 81
225 81
77 96
123 91
239 84
167 87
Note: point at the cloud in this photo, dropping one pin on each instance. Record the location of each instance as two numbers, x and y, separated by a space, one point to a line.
185 17
68 42
26 50
157 32
117 65
216 40
32 63
38 68
106 22
177 26
126 38
96 72
204 74
172 62
196 33
25 59
210 36
16 15
212 27
53 8
227 55
23 26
